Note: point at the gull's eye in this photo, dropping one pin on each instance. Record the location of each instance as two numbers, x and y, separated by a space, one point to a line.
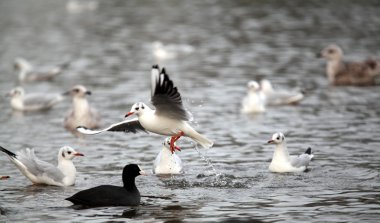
278 137
330 51
142 106
69 152
137 108
76 90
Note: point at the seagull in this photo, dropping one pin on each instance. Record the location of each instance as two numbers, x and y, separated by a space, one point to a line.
4 177
282 97
255 100
41 172
109 195
282 162
167 162
169 118
32 102
166 52
81 114
27 73
348 73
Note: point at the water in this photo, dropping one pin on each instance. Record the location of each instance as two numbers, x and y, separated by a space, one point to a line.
234 42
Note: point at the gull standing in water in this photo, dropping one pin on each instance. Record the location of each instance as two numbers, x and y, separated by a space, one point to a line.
41 172
255 100
32 102
169 118
167 162
81 114
348 73
282 162
279 97
27 73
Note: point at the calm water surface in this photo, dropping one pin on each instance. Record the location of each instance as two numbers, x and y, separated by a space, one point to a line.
234 41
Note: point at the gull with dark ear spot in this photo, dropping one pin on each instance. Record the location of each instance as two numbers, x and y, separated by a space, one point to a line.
167 162
81 114
28 73
21 101
282 162
109 195
41 172
338 72
170 118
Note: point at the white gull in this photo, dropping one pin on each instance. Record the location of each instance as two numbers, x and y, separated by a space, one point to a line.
28 73
169 118
254 101
41 172
167 162
32 102
279 97
282 162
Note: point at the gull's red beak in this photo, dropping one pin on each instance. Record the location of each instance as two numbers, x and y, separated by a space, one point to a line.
78 154
128 114
177 148
270 141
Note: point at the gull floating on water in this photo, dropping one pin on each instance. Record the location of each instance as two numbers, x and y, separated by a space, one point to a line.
41 172
109 195
167 162
165 52
27 73
254 101
32 102
170 117
279 97
348 73
282 162
81 114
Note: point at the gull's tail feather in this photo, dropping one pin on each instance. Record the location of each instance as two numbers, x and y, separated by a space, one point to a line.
205 142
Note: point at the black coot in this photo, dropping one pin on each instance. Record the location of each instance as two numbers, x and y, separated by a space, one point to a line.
108 195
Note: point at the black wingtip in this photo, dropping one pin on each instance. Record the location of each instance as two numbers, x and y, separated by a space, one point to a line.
9 153
308 151
163 71
155 66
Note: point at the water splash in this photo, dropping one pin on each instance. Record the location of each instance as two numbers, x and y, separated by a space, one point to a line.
208 161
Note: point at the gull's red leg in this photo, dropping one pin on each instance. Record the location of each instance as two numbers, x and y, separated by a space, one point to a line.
174 139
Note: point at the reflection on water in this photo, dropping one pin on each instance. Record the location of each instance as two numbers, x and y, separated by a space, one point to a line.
110 46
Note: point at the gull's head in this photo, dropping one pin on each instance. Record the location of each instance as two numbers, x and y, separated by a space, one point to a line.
16 92
21 64
137 109
253 86
277 138
78 91
266 86
331 52
167 143
68 153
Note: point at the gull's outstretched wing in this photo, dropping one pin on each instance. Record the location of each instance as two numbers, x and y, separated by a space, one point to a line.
130 125
165 97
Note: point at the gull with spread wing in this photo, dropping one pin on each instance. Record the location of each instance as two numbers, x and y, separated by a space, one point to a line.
170 118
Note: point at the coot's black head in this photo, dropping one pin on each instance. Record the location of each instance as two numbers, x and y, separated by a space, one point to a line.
130 172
